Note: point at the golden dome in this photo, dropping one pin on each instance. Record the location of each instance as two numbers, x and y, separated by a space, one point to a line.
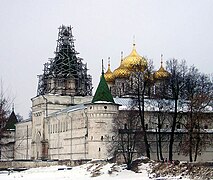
134 60
109 77
161 73
121 71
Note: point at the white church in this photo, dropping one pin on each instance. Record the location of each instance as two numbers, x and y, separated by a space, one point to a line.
67 121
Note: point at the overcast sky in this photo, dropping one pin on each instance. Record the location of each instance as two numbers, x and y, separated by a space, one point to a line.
182 29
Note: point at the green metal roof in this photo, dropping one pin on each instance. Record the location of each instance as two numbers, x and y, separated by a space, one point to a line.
103 93
11 121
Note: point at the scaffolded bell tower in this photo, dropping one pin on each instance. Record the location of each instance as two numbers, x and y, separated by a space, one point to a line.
65 74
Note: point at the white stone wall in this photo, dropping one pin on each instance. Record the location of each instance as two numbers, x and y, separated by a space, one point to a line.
100 117
76 134
23 140
7 142
57 102
202 157
42 106
69 133
66 133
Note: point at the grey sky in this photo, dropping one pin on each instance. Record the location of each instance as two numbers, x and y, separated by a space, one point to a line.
175 28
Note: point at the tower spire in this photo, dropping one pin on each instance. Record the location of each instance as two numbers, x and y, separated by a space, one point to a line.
161 60
108 62
133 40
102 67
102 92
13 107
122 54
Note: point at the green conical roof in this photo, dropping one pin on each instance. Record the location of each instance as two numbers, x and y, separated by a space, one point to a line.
103 93
11 121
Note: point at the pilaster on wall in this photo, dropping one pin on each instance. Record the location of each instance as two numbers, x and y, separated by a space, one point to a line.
42 106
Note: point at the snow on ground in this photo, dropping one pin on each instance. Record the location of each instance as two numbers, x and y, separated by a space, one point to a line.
95 171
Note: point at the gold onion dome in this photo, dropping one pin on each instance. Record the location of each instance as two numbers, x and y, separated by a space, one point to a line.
134 60
161 73
121 71
109 77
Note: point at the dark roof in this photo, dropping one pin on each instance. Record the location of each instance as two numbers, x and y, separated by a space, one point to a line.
12 120
103 93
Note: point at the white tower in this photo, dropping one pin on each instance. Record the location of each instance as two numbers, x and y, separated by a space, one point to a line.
101 113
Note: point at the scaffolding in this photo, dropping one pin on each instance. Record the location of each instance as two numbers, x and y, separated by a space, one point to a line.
65 74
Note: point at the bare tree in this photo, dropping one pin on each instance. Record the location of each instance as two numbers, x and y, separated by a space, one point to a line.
5 105
175 93
142 84
162 127
126 136
199 95
30 114
163 104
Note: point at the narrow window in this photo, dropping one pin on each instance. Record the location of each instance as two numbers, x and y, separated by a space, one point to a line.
102 138
48 129
146 126
66 125
123 87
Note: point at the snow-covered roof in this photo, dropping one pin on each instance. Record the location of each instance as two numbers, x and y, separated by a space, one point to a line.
125 103
102 102
24 121
182 130
68 109
151 105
